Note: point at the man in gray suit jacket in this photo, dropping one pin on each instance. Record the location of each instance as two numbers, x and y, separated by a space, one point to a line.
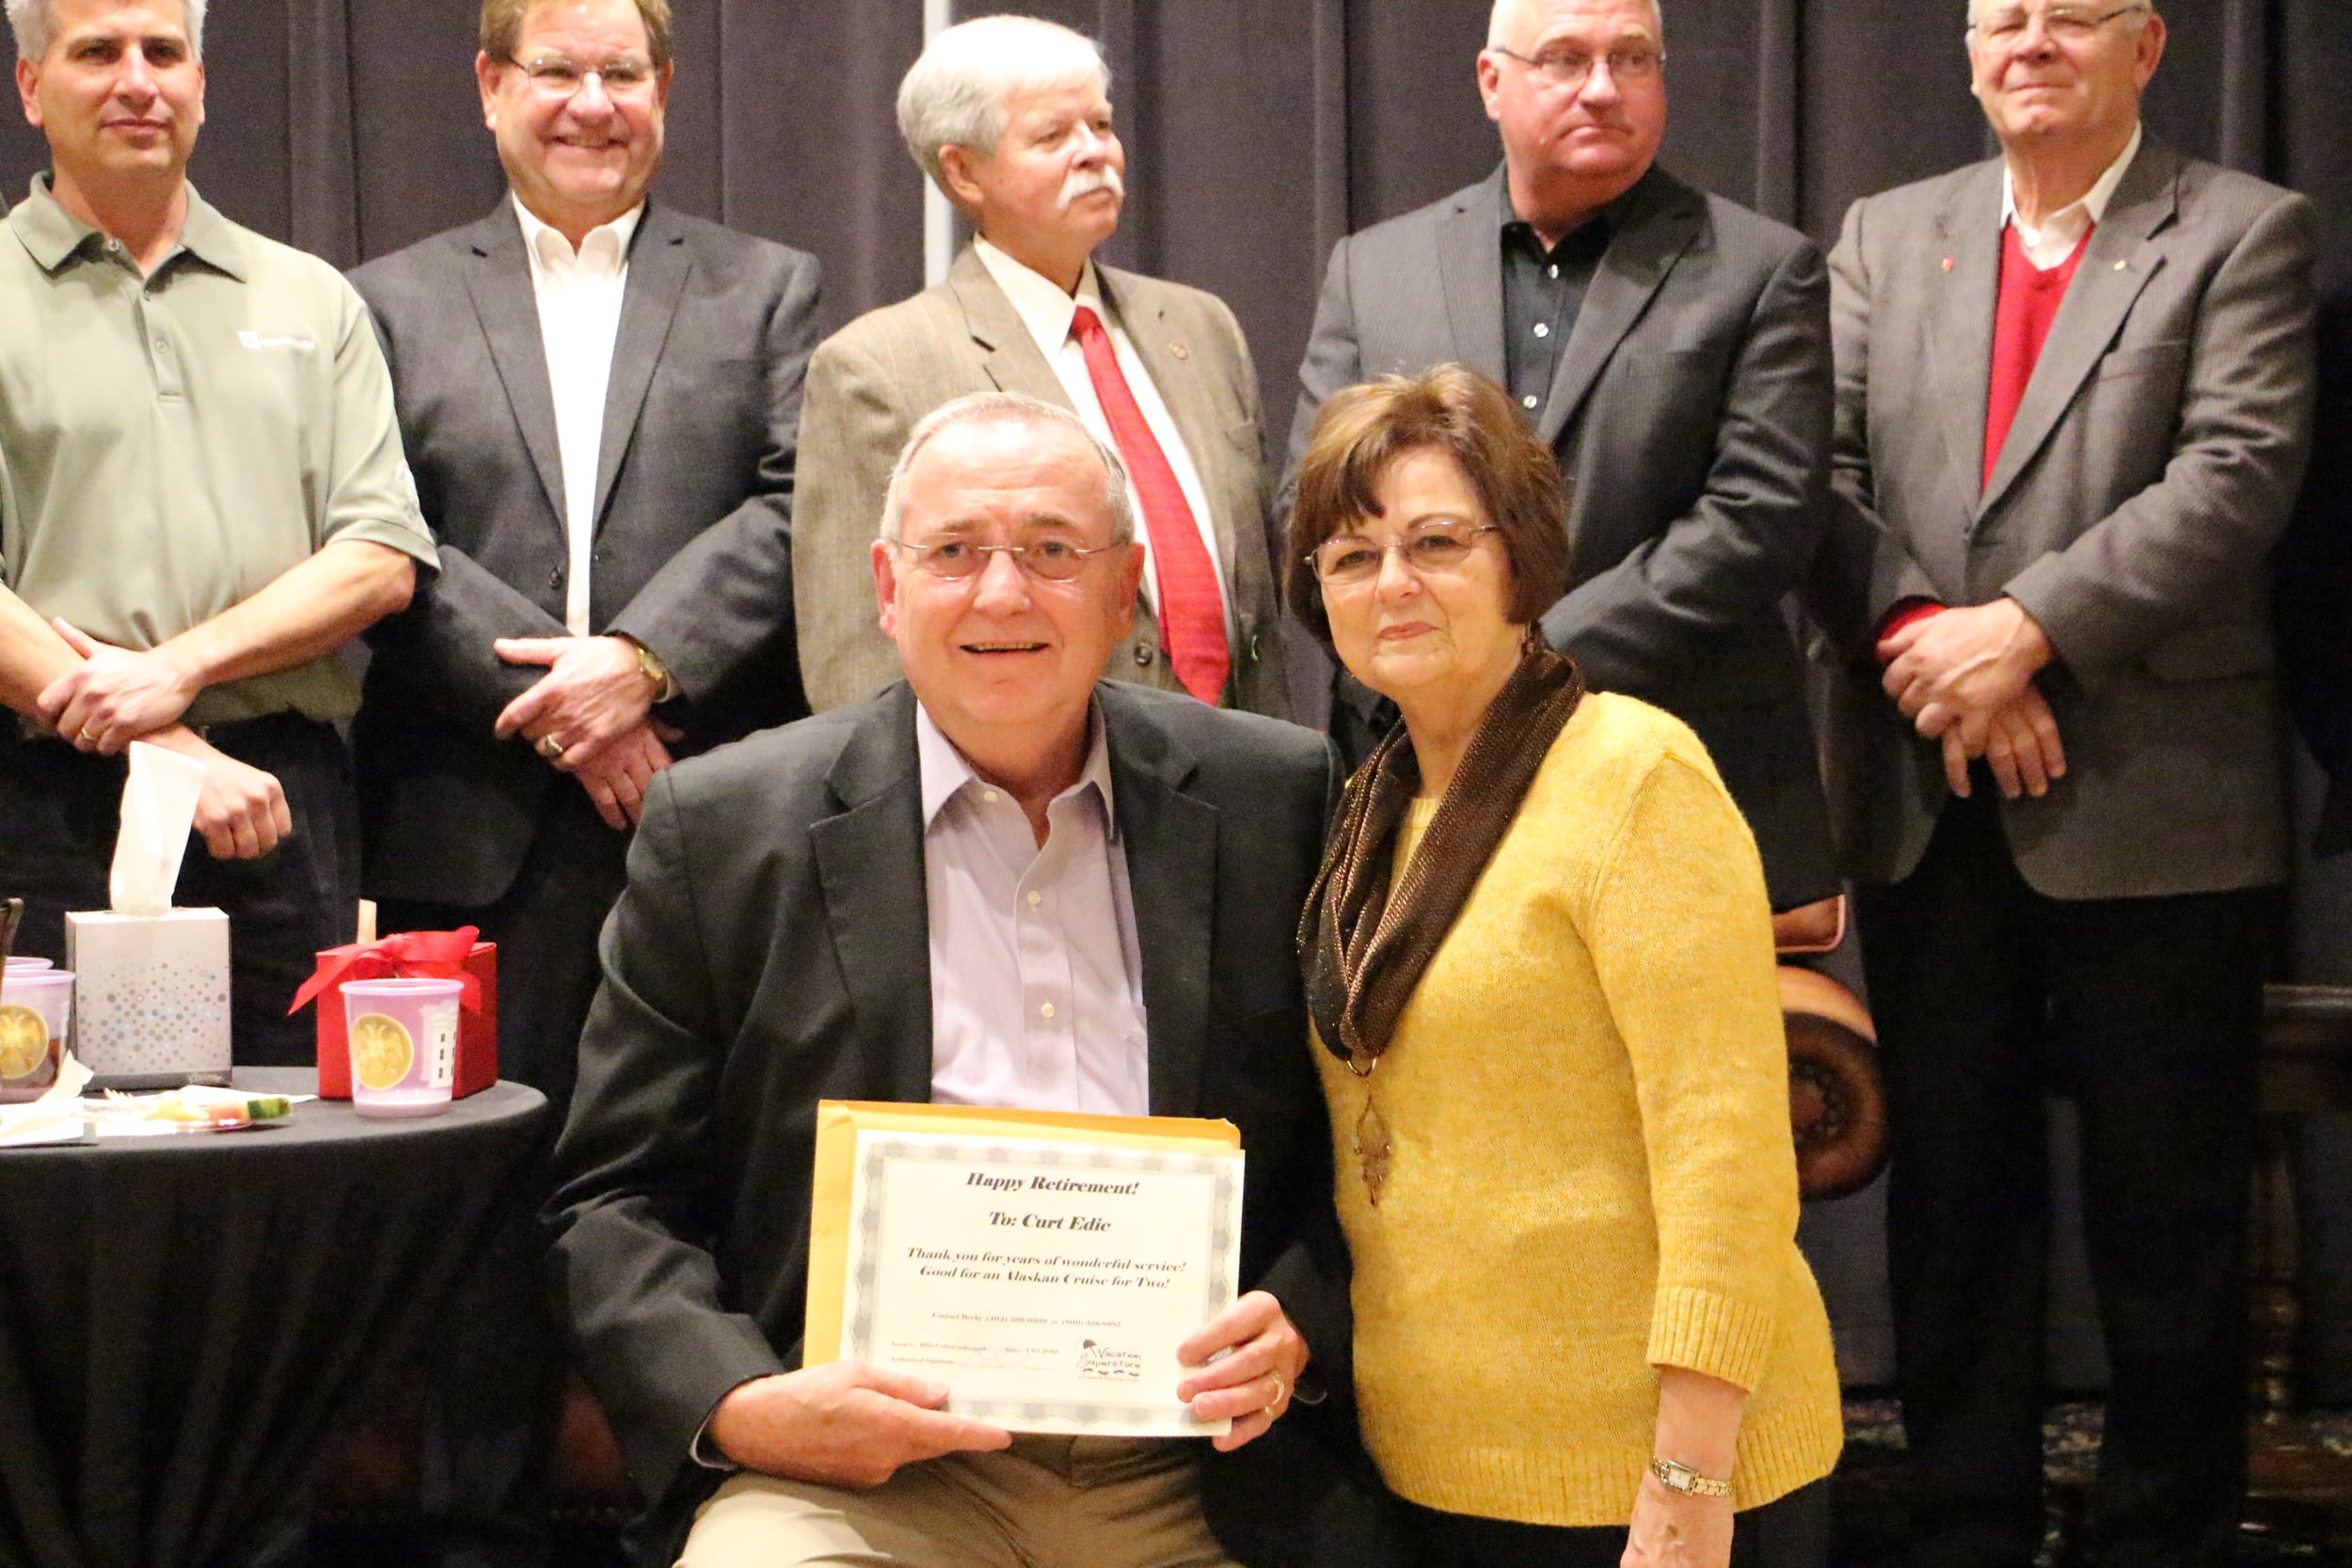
599 397
1009 116
833 911
1673 348
2074 389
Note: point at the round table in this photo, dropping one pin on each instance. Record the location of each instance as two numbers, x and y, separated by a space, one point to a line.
182 1319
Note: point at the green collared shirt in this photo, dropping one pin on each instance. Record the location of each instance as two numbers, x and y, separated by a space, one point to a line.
169 445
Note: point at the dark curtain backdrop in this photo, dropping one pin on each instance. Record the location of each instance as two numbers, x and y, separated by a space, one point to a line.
1258 132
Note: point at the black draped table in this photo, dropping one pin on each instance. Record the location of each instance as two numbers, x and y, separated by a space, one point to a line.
183 1319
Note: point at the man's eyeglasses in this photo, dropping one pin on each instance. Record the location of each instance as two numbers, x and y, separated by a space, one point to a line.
554 76
2066 23
1562 66
1441 548
1047 559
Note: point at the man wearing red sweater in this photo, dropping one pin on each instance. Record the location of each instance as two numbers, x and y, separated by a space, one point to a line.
2074 403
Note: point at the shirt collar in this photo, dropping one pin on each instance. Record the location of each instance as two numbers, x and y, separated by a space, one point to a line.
50 235
603 251
946 774
2076 217
1038 301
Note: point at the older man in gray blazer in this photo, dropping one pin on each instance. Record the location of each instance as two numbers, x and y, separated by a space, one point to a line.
1673 350
1009 116
2074 389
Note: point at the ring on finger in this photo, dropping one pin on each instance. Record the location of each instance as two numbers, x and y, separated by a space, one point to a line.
88 733
551 748
1282 1390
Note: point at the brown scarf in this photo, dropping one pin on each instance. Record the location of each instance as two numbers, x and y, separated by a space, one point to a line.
1363 950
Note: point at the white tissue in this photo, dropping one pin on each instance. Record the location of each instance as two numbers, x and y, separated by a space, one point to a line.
158 810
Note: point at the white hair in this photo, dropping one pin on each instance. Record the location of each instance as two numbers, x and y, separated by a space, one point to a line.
2140 20
33 21
1507 11
956 95
975 406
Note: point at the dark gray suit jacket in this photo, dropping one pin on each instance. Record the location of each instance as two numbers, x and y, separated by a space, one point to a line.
1690 414
2154 460
774 949
693 502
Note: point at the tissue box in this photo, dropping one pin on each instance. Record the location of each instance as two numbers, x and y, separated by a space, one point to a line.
477 1032
151 993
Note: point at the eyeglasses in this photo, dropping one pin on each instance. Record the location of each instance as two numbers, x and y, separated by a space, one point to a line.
556 78
1562 66
957 560
1443 548
2065 23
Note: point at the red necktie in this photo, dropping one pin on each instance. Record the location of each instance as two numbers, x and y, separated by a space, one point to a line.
1192 602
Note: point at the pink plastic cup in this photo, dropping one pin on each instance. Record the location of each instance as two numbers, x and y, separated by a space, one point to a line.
22 964
404 1045
36 1005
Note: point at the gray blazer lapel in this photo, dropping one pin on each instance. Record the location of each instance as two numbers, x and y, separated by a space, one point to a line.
1008 353
1171 840
2116 266
1959 303
500 284
1663 221
869 861
659 264
1470 272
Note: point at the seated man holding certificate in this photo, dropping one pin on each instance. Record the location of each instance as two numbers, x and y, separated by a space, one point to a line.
1002 882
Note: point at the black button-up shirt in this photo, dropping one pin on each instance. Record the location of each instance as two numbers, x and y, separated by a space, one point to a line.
1543 292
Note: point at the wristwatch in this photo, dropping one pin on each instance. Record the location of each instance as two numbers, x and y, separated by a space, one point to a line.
1682 1479
653 670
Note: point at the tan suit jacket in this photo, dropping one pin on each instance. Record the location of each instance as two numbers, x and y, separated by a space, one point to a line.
2154 460
872 381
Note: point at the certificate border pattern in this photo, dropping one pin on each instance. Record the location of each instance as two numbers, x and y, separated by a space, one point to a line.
878 1149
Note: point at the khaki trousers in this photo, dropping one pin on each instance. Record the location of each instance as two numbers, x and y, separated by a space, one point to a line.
1045 1502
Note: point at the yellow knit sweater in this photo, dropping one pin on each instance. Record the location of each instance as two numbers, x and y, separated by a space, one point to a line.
1593 1176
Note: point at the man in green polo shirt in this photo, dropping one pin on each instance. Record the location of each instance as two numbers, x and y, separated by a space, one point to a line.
203 500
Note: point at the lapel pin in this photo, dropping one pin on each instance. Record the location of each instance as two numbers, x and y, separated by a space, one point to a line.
1947 263
2122 266
1178 350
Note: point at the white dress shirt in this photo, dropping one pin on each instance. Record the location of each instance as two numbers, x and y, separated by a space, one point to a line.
2063 230
1047 312
579 317
1037 989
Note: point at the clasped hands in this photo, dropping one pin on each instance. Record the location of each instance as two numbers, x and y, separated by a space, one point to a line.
118 695
1965 677
851 1424
591 716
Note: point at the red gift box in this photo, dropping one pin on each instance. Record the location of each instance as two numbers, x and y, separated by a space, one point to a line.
410 956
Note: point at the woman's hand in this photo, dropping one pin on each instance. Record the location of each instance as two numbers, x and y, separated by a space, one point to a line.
1673 1531
1698 1425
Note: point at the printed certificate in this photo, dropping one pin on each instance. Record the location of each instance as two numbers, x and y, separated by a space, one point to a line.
1044 1270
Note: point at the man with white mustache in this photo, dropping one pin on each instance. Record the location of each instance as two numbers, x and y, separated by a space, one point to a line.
1011 117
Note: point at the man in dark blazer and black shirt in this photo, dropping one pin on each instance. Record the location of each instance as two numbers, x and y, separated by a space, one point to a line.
788 903
599 398
1673 350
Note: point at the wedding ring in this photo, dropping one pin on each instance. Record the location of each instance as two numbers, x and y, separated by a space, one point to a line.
1282 1390
88 735
551 748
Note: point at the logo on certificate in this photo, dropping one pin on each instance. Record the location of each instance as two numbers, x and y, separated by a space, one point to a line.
1096 1359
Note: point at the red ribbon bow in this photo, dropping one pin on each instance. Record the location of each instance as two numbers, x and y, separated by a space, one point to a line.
406 956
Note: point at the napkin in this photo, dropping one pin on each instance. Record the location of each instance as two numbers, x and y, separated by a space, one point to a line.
158 810
56 1118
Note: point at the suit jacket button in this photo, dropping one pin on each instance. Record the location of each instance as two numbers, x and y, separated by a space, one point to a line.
1144 654
555 578
1254 655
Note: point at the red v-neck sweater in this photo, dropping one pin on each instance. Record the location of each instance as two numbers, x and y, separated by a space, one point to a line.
2030 303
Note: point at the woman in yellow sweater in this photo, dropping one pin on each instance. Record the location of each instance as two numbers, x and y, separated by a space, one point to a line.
1540 965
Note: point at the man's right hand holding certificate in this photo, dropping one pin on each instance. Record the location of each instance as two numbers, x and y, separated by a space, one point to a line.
848 1424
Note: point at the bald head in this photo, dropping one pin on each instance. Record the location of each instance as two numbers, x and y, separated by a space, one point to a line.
1510 19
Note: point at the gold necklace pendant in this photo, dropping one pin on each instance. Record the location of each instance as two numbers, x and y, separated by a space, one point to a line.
1373 1149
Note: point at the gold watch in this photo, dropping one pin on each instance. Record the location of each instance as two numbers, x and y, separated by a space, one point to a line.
653 670
1682 1478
